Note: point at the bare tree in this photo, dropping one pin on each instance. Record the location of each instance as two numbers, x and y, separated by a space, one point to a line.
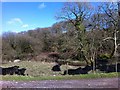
111 12
95 40
76 13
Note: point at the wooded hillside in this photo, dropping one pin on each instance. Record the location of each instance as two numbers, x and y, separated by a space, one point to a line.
84 34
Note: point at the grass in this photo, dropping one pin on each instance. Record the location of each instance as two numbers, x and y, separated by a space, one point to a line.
42 71
66 77
38 68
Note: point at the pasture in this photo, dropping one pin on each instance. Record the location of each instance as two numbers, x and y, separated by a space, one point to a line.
42 71
38 68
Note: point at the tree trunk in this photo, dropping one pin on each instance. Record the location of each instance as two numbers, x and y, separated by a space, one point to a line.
67 68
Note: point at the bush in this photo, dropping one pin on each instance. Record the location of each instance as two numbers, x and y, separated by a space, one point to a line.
104 56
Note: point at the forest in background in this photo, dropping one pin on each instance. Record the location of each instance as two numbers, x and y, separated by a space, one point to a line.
83 34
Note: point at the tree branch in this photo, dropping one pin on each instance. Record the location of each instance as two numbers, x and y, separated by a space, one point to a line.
118 44
109 38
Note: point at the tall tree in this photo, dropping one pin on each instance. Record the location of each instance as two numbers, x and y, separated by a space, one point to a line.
76 13
111 19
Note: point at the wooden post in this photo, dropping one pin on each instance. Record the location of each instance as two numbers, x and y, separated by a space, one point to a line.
116 66
94 64
67 68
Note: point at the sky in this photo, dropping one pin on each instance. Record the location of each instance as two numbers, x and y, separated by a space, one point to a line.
23 16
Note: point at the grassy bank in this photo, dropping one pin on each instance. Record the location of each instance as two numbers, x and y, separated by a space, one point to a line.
42 71
36 69
59 77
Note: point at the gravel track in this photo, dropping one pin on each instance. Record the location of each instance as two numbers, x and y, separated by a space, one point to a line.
83 83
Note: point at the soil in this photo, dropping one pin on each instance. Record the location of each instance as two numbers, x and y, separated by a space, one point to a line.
82 83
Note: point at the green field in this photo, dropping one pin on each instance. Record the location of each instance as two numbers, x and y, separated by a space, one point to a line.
59 77
38 68
42 71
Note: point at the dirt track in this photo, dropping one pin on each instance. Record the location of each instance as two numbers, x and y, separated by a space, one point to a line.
83 83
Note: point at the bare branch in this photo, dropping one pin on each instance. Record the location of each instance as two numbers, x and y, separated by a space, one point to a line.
118 44
109 38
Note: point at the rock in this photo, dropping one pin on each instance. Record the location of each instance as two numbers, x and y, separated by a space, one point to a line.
17 60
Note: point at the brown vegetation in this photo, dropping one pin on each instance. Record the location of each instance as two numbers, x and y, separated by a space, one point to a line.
81 36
